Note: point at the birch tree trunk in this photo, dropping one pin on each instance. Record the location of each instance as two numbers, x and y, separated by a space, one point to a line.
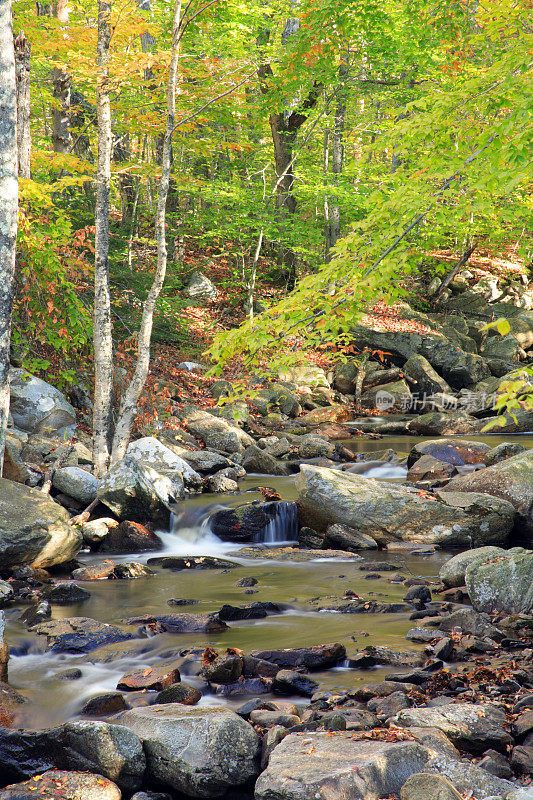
8 204
128 406
22 69
102 327
61 80
332 211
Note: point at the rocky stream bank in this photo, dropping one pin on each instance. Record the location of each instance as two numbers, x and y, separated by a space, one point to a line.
381 646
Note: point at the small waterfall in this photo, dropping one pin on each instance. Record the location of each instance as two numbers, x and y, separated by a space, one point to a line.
283 524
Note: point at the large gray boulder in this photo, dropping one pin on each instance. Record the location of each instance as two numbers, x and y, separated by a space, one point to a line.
318 766
458 368
393 513
62 785
77 483
502 583
153 453
452 573
33 529
201 752
90 746
37 407
200 287
428 381
472 727
136 492
215 432
512 480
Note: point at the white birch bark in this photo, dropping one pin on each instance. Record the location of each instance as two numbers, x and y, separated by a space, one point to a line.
128 406
22 68
102 327
8 204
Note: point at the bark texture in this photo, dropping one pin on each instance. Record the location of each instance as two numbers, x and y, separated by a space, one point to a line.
131 397
22 66
61 80
8 204
103 333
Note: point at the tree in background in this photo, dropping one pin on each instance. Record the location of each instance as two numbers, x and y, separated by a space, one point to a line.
8 204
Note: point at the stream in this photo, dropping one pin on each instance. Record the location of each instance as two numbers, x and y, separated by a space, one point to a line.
54 696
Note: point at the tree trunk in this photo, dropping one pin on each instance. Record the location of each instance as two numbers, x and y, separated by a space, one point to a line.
8 204
332 207
102 327
22 67
128 406
61 137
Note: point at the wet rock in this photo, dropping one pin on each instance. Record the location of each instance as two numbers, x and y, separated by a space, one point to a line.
179 623
503 451
471 727
496 764
522 759
248 521
66 594
420 594
245 582
317 657
458 452
310 539
77 483
313 446
6 594
79 634
444 649
387 396
33 529
260 461
101 705
181 601
254 611
469 621
130 537
153 453
136 492
62 785
179 693
511 480
259 667
109 750
97 529
155 678
225 669
131 570
37 407
430 471
288 682
346 538
215 432
452 573
391 513
10 702
336 412
245 686
266 719
445 423
396 658
423 635
422 786
271 739
222 484
191 562
200 752
504 583
34 614
427 380
206 461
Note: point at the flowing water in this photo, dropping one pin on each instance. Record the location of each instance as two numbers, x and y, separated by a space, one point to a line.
53 698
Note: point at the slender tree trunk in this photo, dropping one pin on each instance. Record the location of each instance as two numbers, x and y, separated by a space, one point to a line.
332 206
128 406
61 80
8 204
103 332
22 67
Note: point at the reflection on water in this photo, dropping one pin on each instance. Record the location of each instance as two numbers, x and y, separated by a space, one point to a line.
54 699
